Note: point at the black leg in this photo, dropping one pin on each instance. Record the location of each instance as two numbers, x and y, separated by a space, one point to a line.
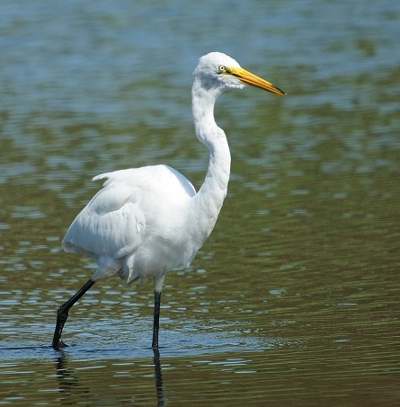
156 323
62 314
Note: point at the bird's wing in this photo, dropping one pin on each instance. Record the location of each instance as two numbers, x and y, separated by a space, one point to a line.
111 224
114 222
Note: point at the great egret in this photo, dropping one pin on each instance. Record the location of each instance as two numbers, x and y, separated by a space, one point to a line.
147 221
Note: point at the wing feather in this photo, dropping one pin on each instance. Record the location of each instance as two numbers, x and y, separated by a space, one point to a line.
112 224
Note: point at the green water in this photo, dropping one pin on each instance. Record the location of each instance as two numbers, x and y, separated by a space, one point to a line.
294 300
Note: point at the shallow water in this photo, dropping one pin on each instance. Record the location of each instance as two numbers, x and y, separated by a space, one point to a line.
294 300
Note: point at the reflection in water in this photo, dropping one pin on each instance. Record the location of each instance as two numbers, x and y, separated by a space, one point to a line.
158 379
68 383
65 376
71 388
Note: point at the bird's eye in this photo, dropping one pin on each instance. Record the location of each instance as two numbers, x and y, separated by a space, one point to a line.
222 69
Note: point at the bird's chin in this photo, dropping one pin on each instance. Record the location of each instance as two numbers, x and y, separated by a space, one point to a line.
237 85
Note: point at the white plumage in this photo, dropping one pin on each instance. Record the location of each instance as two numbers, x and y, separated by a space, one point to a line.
147 221
134 225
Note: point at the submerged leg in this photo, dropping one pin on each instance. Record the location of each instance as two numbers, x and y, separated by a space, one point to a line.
156 323
62 314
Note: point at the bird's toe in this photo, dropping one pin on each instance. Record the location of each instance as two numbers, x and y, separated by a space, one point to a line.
62 344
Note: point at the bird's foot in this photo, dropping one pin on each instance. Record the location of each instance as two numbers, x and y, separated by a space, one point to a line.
60 345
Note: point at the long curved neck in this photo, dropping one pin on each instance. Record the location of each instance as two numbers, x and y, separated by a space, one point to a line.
208 201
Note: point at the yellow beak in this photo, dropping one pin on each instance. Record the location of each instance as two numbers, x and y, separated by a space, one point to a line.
254 80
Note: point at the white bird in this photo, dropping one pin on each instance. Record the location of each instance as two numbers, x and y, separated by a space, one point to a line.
147 221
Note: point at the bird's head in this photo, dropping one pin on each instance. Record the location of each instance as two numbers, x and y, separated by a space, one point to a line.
220 71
